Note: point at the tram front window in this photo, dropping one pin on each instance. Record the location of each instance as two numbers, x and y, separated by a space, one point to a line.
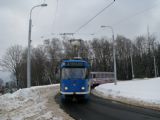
74 73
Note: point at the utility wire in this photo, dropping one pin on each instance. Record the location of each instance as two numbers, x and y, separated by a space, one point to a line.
94 16
134 15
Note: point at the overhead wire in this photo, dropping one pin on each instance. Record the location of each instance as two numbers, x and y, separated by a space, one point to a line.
134 15
86 23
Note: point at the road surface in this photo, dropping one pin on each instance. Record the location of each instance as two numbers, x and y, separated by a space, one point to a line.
99 109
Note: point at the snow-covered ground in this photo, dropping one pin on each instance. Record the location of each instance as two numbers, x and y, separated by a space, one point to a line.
35 103
139 92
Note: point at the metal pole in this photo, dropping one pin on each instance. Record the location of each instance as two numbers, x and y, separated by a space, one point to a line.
154 60
29 56
114 57
132 62
29 45
155 71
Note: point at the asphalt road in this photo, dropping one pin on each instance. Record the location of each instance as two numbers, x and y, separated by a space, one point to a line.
100 109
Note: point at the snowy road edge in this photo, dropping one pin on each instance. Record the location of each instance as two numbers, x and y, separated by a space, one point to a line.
35 103
126 100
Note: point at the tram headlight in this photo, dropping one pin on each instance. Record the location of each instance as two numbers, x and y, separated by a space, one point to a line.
66 88
82 88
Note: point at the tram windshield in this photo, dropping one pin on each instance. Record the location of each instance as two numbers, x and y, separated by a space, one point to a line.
74 73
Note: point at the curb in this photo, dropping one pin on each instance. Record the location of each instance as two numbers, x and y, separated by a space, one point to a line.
129 101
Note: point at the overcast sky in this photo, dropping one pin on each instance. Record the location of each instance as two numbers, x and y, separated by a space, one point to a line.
128 17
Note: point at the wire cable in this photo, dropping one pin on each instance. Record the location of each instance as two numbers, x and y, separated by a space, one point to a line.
94 17
134 15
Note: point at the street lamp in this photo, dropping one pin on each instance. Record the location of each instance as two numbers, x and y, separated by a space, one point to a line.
114 55
29 45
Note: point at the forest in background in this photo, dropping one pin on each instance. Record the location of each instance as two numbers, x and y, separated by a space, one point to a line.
45 58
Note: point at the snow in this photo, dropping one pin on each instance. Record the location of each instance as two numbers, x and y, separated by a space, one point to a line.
139 92
35 103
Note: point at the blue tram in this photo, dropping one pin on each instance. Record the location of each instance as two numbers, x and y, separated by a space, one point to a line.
75 81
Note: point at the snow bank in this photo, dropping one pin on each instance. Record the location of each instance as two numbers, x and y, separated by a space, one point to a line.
35 103
144 92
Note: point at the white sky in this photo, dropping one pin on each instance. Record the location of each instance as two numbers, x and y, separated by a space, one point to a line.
71 14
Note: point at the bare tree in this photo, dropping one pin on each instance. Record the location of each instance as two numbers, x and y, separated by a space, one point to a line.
11 61
102 51
123 57
38 61
54 52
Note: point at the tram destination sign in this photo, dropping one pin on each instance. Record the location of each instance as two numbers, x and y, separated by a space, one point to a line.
74 64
